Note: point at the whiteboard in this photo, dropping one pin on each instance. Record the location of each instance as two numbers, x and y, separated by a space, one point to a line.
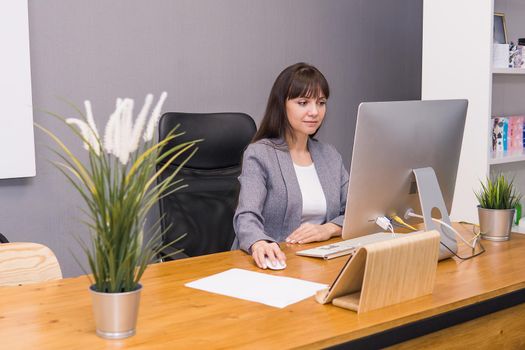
17 144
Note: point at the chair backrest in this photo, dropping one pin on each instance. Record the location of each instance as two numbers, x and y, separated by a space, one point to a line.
3 239
26 263
204 209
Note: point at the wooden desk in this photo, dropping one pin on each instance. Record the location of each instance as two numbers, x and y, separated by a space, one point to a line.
57 315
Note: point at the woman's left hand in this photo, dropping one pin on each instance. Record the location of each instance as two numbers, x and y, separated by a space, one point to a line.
307 233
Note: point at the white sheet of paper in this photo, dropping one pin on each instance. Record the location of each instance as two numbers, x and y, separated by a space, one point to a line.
259 287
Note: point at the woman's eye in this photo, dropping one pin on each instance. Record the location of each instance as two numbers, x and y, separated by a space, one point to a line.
322 103
302 103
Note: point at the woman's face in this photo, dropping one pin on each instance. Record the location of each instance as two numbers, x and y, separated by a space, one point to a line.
305 115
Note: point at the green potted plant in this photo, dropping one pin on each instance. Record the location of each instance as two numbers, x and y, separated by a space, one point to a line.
119 184
497 202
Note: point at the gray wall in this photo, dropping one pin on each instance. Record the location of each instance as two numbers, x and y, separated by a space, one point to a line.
210 56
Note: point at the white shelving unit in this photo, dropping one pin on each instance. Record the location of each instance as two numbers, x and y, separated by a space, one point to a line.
502 79
506 158
510 71
457 63
508 92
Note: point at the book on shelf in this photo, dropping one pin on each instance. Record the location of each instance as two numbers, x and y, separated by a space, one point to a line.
508 135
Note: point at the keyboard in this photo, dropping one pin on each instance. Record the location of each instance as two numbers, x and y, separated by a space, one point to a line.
347 247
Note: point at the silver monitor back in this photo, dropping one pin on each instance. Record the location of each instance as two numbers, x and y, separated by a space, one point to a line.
391 139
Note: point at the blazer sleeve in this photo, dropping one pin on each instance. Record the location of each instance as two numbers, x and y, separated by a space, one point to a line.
248 221
338 220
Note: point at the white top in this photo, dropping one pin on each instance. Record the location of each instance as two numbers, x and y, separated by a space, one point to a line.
314 201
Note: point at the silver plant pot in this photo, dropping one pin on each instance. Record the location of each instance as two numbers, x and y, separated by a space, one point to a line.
116 313
495 224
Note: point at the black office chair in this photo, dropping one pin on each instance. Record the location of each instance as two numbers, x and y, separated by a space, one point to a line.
3 239
204 210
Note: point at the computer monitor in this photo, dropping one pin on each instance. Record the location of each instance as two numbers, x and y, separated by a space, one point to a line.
391 140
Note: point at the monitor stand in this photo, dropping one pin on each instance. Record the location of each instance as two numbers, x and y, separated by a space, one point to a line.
430 197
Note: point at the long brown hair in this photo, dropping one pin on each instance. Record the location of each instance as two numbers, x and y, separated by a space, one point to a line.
298 80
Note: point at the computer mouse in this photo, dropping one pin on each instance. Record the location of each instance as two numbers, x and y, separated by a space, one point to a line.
276 266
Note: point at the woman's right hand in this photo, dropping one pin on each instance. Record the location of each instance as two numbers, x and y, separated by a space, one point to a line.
263 249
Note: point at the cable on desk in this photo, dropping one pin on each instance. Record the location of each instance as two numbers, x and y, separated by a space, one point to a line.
396 219
475 240
470 244
468 257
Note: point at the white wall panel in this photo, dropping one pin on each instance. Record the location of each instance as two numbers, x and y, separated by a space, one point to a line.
17 148
456 63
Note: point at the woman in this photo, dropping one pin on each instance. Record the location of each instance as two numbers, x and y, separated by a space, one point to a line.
293 187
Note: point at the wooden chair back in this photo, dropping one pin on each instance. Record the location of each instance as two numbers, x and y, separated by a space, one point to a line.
26 263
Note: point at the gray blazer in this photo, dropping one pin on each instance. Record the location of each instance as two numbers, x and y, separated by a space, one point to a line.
270 201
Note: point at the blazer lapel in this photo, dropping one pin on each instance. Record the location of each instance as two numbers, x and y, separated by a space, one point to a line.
325 174
294 205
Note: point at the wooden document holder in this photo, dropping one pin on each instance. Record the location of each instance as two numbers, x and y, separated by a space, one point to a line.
386 273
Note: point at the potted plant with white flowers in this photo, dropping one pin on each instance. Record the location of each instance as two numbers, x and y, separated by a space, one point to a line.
119 184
